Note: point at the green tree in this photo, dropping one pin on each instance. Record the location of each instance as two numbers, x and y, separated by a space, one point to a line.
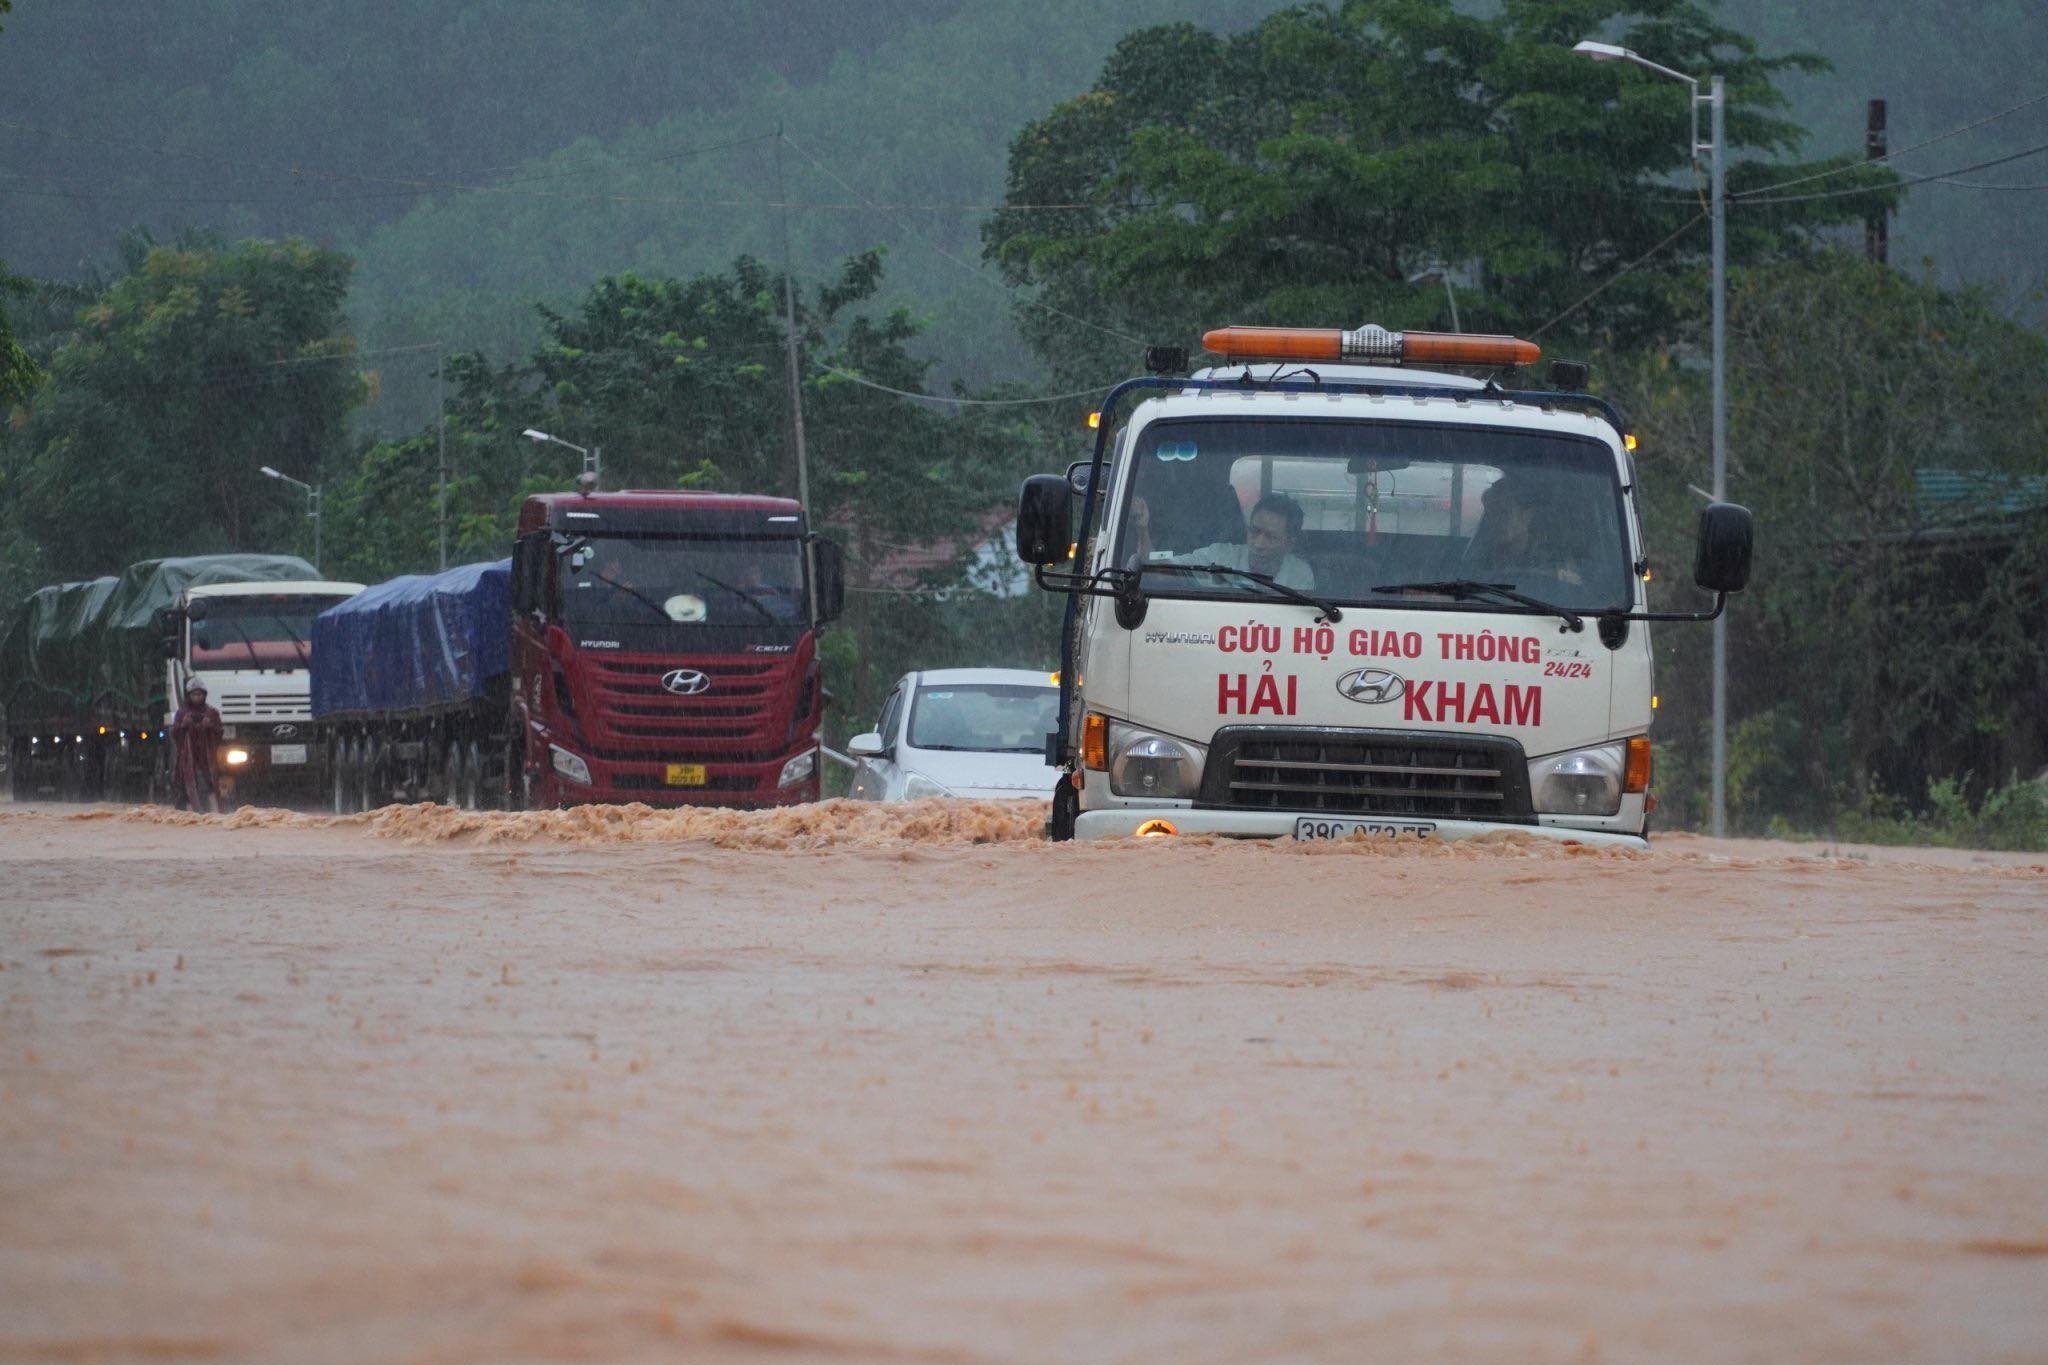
201 364
1890 436
684 383
18 371
1305 170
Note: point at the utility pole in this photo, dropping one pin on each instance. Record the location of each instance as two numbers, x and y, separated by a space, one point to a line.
796 392
1877 227
1720 208
441 513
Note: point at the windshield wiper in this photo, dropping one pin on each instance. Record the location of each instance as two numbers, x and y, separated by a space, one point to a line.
756 603
1328 609
634 593
1464 589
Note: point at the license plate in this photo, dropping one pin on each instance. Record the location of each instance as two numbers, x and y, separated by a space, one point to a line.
284 755
683 774
1309 827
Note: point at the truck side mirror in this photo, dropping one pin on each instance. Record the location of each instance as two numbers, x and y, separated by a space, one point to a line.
1727 537
1045 520
828 564
167 628
522 575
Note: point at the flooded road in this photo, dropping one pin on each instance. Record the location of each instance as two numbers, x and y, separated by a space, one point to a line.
852 1083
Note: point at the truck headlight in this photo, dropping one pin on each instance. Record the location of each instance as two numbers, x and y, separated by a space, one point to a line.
917 787
1146 763
569 765
237 757
1579 781
798 769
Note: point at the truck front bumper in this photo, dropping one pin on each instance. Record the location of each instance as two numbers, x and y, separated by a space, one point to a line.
659 781
1124 822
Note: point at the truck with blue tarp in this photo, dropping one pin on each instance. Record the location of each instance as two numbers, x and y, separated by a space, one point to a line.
639 646
410 688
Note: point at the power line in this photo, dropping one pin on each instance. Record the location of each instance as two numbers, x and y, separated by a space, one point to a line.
960 402
973 270
418 184
1902 183
1888 156
1689 224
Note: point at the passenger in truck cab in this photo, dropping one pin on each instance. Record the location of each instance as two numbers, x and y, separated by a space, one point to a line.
1271 533
1526 538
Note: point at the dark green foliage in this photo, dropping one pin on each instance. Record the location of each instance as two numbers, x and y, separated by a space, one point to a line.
199 365
1306 170
1889 638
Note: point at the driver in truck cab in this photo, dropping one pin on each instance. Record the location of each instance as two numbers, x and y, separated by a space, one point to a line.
1271 533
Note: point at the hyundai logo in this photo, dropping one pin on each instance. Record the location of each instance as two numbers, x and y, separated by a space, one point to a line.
283 731
1372 686
685 682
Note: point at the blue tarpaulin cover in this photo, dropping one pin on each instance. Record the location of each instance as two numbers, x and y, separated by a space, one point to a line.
421 641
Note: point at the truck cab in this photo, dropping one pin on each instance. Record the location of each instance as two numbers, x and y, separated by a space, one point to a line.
665 648
1317 593
251 645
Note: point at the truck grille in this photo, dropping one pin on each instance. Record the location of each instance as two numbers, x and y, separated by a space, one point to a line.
234 706
738 705
1367 772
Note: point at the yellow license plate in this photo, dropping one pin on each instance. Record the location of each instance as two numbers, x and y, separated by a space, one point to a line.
684 775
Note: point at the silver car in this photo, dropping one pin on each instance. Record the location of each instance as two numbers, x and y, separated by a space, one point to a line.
966 732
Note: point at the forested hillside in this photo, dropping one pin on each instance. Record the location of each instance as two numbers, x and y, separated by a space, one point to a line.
476 156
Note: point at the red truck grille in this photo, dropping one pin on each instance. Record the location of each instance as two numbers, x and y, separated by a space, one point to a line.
738 705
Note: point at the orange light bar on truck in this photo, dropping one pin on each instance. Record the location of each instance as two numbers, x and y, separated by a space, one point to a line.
1370 343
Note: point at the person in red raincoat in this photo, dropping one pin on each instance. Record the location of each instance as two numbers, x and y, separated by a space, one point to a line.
196 731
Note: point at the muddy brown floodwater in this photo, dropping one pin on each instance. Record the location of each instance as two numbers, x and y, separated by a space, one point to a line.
853 1083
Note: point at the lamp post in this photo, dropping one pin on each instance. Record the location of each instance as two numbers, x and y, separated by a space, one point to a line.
589 453
312 492
1440 273
1716 102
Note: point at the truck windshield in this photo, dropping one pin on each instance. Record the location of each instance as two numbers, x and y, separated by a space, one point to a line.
1352 510
988 718
628 581
261 631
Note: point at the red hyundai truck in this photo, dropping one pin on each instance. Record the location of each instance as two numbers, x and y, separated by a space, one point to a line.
664 648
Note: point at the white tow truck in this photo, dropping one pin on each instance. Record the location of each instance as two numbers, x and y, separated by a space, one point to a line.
1315 593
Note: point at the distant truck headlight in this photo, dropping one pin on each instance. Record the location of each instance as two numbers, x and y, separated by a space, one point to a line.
1146 763
237 757
917 787
798 769
569 765
1580 781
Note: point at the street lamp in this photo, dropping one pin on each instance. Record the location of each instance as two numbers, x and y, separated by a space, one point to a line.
312 492
589 454
1440 273
1716 102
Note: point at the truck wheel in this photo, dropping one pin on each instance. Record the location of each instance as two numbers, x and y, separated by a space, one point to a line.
472 789
1066 804
368 795
337 776
450 785
71 773
20 786
515 784
113 771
